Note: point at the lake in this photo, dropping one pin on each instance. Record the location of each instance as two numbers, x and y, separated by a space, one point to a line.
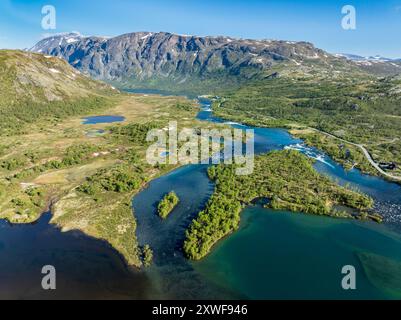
282 255
273 255
103 119
86 268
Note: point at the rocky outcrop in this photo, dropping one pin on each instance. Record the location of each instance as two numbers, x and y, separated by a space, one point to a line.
142 56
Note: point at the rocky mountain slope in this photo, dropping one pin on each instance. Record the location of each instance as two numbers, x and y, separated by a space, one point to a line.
144 58
41 78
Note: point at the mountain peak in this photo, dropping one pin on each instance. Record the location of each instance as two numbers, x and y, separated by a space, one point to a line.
141 58
56 39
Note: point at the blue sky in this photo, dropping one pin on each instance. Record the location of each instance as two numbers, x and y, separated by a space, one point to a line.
378 21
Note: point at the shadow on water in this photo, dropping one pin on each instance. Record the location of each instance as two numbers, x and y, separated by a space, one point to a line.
86 268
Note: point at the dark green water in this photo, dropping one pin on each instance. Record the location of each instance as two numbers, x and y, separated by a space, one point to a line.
282 255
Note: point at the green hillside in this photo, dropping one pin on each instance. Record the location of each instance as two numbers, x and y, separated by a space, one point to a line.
353 106
33 86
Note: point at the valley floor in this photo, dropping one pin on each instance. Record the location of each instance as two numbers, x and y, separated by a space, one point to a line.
88 174
88 180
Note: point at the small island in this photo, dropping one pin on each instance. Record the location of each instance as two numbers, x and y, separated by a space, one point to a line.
167 205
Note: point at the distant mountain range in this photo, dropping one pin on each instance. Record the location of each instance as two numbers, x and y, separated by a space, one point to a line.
164 59
375 64
376 58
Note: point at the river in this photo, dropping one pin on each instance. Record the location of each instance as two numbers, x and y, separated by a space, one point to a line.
273 255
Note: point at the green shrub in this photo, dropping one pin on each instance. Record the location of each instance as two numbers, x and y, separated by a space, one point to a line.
120 178
167 204
147 256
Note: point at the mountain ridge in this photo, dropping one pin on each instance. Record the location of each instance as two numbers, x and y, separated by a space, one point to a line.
139 58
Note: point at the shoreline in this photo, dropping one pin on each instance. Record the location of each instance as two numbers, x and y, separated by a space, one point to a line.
290 127
105 229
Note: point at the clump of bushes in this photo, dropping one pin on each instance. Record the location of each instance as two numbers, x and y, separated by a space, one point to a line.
13 163
147 256
134 132
74 155
167 205
121 178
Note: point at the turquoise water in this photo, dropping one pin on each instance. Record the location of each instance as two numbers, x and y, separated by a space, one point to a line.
103 119
282 255
274 255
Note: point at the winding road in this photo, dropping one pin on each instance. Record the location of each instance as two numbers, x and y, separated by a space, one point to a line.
365 152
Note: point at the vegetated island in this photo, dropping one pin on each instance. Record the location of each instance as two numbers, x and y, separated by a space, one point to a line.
167 204
288 179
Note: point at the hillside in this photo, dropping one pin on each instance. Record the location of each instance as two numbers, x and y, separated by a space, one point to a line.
35 86
364 111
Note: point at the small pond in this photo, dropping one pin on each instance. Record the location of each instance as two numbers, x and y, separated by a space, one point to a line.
103 119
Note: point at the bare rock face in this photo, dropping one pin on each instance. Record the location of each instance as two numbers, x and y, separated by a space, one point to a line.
144 56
